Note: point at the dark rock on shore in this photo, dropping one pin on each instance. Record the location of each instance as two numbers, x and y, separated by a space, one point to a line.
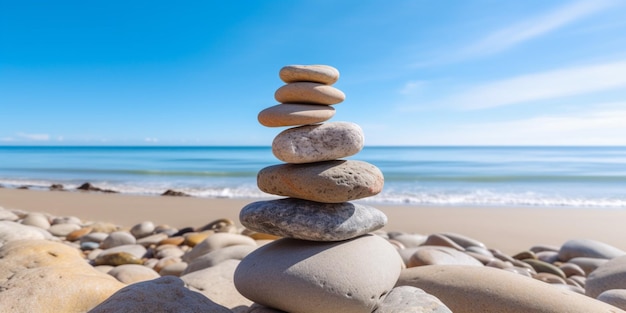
57 187
90 187
174 193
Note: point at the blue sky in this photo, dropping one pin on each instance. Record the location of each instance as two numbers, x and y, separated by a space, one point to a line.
414 72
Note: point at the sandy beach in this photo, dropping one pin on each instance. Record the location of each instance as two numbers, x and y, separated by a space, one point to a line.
510 229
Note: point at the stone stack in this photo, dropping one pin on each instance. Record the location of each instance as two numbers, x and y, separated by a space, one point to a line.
327 262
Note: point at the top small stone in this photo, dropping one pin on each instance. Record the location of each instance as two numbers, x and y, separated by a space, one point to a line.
322 74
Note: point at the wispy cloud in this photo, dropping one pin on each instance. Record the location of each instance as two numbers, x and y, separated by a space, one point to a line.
34 137
7 139
150 139
533 27
541 86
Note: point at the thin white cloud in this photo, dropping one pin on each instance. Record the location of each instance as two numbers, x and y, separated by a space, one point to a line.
592 127
412 87
150 139
523 31
7 139
542 86
34 137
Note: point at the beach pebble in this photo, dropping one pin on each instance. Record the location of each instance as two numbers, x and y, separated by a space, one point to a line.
307 92
319 142
588 248
79 233
410 240
117 238
322 74
479 289
217 241
257 308
216 283
7 215
570 269
194 238
614 297
464 241
169 251
62 230
133 273
408 299
438 255
89 245
66 220
142 229
328 182
48 277
293 114
37 220
218 256
94 237
308 220
610 275
126 254
10 231
548 256
222 225
151 239
178 240
543 267
174 269
346 276
443 241
103 227
165 294
588 264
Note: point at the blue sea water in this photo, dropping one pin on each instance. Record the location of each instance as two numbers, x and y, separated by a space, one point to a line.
517 176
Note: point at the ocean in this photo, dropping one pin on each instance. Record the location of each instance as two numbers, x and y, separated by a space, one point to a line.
470 176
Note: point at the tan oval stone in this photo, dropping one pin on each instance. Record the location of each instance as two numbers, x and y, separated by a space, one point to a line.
322 74
329 182
431 255
177 241
305 92
292 114
192 239
75 235
320 142
479 289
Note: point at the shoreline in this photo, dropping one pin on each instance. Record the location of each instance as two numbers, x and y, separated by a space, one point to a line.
510 229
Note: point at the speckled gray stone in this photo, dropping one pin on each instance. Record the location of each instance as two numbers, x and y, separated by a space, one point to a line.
408 299
308 220
321 142
323 74
329 181
306 92
293 114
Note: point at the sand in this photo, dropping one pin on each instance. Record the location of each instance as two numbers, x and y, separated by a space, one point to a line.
510 229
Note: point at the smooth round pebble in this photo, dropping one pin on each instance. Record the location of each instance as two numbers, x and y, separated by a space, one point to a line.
133 273
438 255
320 142
62 230
37 220
328 182
309 93
117 238
614 297
217 241
293 114
322 74
588 248
142 229
610 275
408 299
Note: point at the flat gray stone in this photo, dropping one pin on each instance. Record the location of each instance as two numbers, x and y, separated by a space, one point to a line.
320 142
408 299
117 238
307 92
308 220
328 182
293 114
322 74
588 248
300 276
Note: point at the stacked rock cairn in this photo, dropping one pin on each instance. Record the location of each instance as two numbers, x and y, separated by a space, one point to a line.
326 260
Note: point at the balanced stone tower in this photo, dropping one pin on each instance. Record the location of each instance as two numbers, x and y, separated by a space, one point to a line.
327 261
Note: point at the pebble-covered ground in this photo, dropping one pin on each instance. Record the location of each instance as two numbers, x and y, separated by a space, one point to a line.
66 264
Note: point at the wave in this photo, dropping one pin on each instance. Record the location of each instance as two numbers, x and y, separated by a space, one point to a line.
438 197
